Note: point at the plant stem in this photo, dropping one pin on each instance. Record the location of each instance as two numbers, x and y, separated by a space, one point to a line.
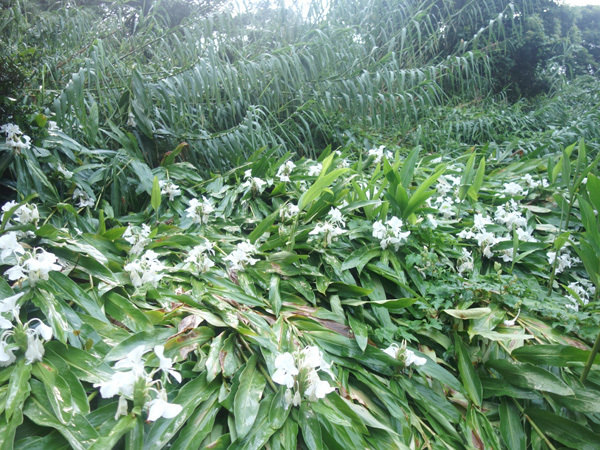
591 358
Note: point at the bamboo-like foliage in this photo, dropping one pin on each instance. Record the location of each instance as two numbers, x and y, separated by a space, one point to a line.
234 81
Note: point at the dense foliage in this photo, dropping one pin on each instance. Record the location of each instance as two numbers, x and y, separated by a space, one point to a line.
338 228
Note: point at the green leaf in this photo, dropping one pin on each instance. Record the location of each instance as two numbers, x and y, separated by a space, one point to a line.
311 430
274 296
263 226
18 388
529 376
478 181
467 314
553 355
361 332
169 157
39 410
360 257
408 167
149 339
72 292
318 186
247 398
565 431
511 426
189 397
110 440
57 390
199 425
468 376
155 200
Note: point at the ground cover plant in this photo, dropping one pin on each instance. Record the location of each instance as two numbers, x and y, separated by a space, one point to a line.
313 261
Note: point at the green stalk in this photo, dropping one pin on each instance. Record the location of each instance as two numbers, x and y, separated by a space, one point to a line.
590 361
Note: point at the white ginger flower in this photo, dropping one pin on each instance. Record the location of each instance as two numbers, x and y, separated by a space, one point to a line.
9 245
286 370
166 364
285 170
145 270
137 237
391 233
169 188
198 211
84 198
160 407
315 170
241 256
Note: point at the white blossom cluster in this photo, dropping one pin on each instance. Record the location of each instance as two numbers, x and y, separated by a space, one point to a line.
137 237
288 212
200 211
9 246
331 228
84 198
315 169
299 372
34 350
512 189
581 292
34 266
24 214
565 260
448 184
534 184
169 188
242 256
253 184
130 374
391 233
285 170
465 262
15 137
379 153
145 270
199 257
408 357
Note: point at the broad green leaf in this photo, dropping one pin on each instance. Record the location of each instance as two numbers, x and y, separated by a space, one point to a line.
274 296
359 258
199 425
361 332
319 185
468 376
565 431
39 410
149 339
266 424
110 440
8 430
529 376
156 199
263 226
553 355
478 181
72 292
18 388
511 425
408 167
311 429
392 304
57 390
190 396
466 314
247 398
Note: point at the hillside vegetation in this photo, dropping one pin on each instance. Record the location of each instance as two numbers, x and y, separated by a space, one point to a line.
362 224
